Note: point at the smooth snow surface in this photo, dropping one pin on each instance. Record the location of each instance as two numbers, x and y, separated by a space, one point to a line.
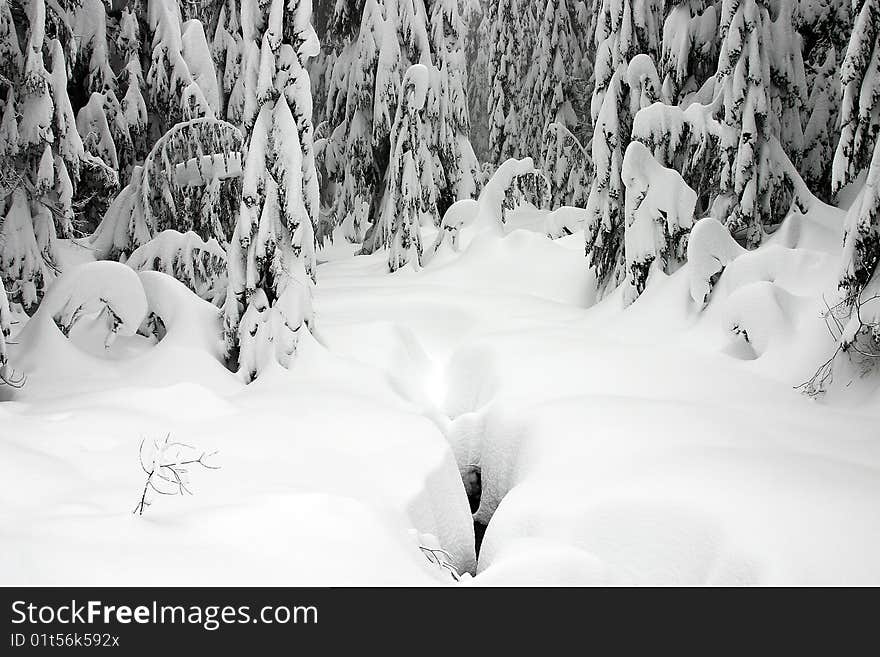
661 444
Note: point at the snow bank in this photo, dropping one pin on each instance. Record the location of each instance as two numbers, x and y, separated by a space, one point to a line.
102 321
315 496
612 447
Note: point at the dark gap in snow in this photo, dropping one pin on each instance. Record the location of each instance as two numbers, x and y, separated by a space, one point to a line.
474 486
479 532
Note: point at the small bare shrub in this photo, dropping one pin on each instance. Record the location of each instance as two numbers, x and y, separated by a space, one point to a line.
167 464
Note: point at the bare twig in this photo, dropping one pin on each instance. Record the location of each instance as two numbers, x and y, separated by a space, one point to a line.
836 319
441 558
167 465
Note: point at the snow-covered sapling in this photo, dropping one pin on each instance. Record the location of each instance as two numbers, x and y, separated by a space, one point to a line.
411 197
167 465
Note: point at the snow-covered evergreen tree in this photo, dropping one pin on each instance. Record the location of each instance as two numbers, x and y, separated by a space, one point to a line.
788 89
477 28
505 77
690 48
568 167
447 107
188 182
134 115
659 213
744 73
821 133
548 80
861 250
860 119
271 255
630 88
93 46
175 94
362 98
44 168
411 197
824 27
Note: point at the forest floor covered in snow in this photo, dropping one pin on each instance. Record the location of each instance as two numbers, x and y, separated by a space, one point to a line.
650 445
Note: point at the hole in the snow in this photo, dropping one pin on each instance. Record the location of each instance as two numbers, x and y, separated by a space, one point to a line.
479 532
473 484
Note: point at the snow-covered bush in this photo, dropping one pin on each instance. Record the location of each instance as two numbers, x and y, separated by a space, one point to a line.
28 252
759 314
527 185
198 264
659 214
710 249
106 290
564 221
450 227
684 140
190 181
511 185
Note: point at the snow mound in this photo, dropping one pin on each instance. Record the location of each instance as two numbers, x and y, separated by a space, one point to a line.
710 249
495 262
565 221
104 320
105 289
760 314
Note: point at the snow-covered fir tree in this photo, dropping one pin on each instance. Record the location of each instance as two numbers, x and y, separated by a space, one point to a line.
751 190
44 168
568 167
860 78
547 84
181 80
627 36
411 196
447 107
477 28
860 120
861 251
690 48
821 133
659 213
134 108
824 27
505 77
271 257
362 99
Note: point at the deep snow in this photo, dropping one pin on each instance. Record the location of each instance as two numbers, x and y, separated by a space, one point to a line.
648 445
